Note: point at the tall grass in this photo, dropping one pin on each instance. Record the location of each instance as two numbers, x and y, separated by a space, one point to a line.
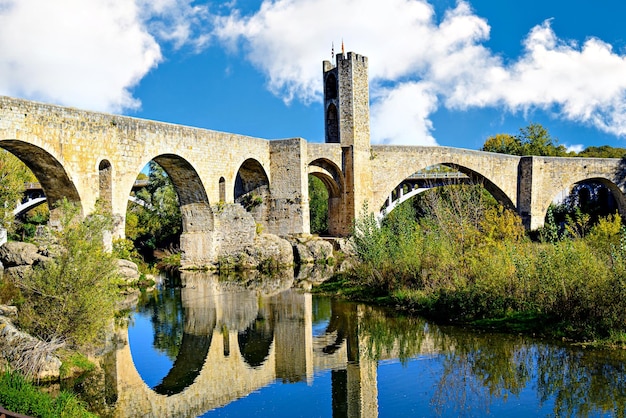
466 258
20 396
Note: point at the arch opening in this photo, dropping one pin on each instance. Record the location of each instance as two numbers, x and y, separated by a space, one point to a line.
105 185
252 190
169 212
326 185
222 189
332 124
50 184
584 203
440 175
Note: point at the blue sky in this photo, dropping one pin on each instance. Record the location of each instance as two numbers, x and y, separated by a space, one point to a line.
441 72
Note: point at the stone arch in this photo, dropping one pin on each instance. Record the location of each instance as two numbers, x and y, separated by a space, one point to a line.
334 181
614 189
471 177
252 190
50 173
196 241
105 185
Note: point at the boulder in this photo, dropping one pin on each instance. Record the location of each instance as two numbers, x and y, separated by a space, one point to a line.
311 250
15 253
127 270
269 250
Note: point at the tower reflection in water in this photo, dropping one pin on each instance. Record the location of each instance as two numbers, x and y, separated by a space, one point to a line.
228 339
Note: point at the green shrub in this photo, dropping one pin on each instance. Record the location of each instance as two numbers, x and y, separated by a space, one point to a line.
73 295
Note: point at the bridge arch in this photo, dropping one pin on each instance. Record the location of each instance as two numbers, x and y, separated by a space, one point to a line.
614 189
334 181
51 174
252 189
196 241
472 176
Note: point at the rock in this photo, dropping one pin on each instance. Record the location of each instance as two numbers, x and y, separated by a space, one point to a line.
311 250
18 272
127 270
8 311
14 253
267 249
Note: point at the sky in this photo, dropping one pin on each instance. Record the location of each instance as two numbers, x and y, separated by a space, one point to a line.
442 72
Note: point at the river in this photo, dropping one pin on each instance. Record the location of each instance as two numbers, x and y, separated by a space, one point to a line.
258 347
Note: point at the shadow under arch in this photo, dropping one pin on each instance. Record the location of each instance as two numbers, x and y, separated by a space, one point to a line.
252 190
334 181
614 189
50 173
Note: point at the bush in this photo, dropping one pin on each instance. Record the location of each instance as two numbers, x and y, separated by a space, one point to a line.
71 296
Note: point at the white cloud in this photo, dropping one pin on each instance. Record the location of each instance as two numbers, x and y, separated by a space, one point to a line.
409 49
89 54
577 148
400 115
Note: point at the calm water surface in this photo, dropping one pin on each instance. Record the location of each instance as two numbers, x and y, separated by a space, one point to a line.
256 347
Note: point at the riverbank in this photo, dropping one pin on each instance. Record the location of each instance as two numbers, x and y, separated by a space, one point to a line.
484 271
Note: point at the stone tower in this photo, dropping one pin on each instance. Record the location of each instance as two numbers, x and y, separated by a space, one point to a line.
347 122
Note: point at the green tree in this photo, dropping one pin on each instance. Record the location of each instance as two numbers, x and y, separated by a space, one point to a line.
318 205
533 139
603 151
536 140
13 175
503 144
158 221
72 295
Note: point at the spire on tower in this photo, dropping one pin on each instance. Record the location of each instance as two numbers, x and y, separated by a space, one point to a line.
343 50
332 51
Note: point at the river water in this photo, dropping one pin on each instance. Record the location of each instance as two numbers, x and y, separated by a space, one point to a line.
258 347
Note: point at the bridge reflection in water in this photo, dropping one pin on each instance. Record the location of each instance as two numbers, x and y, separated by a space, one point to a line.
236 340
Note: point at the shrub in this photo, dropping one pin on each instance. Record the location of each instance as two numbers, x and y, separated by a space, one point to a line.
73 295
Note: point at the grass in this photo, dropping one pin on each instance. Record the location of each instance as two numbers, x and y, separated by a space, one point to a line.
20 396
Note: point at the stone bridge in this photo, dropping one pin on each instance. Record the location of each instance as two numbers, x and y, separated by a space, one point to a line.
88 157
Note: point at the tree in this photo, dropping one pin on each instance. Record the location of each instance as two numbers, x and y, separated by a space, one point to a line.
318 205
503 144
533 139
536 140
13 175
157 222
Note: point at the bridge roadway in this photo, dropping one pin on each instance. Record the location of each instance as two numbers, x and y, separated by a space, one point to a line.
87 156
233 346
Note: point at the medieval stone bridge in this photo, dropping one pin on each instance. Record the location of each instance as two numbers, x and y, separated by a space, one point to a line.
88 157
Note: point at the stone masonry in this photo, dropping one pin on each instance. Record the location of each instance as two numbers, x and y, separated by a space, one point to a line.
88 156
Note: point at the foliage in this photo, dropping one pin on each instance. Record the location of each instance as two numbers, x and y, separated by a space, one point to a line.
603 151
467 259
318 205
73 294
20 396
533 139
157 223
13 175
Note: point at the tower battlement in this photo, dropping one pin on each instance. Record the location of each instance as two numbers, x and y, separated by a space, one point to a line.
346 100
